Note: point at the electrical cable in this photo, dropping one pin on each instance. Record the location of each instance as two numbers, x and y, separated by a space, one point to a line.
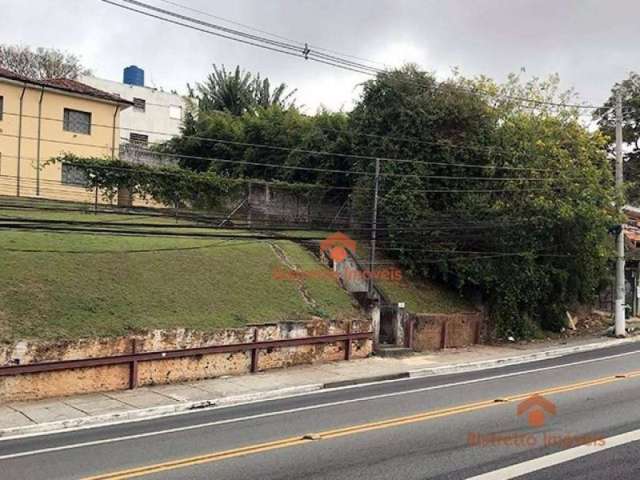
306 53
301 168
442 143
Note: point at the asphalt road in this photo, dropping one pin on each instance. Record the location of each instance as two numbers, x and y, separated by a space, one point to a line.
406 429
617 463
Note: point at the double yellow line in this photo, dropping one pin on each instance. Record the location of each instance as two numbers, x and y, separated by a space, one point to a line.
352 430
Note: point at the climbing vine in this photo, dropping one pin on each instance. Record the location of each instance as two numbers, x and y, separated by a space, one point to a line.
172 185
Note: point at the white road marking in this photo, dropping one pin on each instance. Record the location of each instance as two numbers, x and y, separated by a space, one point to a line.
553 459
299 409
320 391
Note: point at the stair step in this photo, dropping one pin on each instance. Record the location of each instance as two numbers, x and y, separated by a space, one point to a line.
392 351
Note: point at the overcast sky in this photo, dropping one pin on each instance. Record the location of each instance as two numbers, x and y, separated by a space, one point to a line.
590 43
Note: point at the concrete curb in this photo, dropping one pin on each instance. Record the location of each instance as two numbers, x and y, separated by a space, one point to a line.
515 360
186 407
152 412
363 380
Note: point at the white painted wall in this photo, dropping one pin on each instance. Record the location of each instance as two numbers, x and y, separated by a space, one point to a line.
163 112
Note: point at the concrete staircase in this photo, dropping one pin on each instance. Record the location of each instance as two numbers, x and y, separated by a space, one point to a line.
388 318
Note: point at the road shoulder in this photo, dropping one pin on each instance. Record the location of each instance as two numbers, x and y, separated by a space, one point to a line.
19 419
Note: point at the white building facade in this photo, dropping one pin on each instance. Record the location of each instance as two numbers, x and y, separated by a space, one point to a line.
155 117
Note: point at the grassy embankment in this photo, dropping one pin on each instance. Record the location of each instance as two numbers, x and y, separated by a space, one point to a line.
70 285
419 295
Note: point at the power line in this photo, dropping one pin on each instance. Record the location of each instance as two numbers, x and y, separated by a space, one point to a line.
359 172
224 243
222 160
281 37
437 233
62 227
300 50
428 223
252 43
247 236
52 226
363 157
469 255
441 143
301 168
306 53
236 243
326 187
444 234
434 219
331 187
433 222
347 172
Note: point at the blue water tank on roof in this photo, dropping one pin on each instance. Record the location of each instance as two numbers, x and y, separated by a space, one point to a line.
133 75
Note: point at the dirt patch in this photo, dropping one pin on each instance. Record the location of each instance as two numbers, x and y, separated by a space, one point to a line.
590 322
302 288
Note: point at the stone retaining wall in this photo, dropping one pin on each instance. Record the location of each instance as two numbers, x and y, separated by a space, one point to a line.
95 379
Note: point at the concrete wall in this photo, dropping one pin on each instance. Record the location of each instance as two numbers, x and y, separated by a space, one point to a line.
139 155
52 141
163 111
435 331
68 382
351 275
260 202
275 203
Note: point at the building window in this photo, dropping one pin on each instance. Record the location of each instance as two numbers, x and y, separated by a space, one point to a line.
74 175
1 106
77 121
175 112
139 104
138 139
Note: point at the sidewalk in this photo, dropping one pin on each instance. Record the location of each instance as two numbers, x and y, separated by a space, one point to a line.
19 418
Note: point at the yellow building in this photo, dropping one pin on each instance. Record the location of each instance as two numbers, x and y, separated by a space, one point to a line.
41 119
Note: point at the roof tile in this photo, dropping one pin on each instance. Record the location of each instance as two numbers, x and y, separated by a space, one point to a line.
66 85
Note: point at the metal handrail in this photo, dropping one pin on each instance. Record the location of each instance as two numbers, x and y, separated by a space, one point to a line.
133 358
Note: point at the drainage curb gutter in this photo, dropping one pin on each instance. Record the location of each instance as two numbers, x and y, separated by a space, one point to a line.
127 416
514 360
186 407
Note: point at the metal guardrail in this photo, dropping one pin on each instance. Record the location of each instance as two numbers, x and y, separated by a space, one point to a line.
133 358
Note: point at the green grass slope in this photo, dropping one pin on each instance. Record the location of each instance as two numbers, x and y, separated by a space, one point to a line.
70 285
419 295
423 296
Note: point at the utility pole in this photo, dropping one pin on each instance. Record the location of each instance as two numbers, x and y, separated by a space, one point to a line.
620 323
374 223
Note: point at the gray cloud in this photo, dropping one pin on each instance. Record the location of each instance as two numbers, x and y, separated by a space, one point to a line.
590 43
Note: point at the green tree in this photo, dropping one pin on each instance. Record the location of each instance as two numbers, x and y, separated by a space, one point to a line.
268 136
524 220
478 189
239 92
630 92
264 96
